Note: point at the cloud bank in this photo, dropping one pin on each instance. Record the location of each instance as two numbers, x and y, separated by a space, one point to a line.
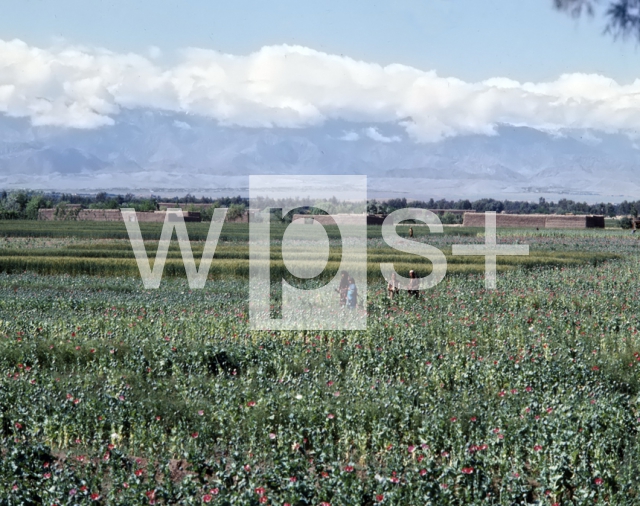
293 86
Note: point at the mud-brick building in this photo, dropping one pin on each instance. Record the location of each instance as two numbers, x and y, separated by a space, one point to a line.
538 221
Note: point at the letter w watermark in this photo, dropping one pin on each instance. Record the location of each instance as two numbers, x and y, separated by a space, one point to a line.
173 219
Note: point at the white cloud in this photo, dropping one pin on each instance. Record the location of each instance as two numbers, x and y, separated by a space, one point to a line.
373 134
293 86
181 124
350 137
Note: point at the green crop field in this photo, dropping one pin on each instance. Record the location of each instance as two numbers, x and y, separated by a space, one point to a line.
115 395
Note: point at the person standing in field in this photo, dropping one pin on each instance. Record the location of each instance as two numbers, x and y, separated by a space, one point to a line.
392 287
410 231
352 294
343 287
414 284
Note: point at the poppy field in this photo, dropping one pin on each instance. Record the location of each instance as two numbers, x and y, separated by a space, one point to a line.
528 394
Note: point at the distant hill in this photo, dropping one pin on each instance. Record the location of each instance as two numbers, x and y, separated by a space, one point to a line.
147 150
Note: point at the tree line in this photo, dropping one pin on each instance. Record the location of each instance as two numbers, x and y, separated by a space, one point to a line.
25 204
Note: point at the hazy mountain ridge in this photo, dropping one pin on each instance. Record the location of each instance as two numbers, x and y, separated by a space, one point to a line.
146 149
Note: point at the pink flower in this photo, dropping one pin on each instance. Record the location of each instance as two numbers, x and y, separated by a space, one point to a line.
330 416
206 498
598 481
467 470
537 448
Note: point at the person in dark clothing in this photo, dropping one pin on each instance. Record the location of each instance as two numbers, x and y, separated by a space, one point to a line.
343 287
414 284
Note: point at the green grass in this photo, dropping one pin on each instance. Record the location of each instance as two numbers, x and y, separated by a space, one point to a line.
528 394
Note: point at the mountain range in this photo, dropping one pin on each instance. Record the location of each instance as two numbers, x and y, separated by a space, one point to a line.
146 151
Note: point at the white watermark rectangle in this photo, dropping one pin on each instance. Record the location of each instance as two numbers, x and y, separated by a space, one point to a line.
321 282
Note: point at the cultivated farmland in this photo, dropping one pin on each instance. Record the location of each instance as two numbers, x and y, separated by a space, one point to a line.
110 394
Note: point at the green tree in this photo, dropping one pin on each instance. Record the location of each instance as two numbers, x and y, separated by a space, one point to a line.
623 16
21 199
235 211
36 202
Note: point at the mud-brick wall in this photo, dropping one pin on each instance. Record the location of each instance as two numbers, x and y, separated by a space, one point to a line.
46 214
566 221
506 220
535 221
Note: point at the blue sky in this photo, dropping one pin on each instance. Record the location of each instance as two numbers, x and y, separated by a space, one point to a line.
525 40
